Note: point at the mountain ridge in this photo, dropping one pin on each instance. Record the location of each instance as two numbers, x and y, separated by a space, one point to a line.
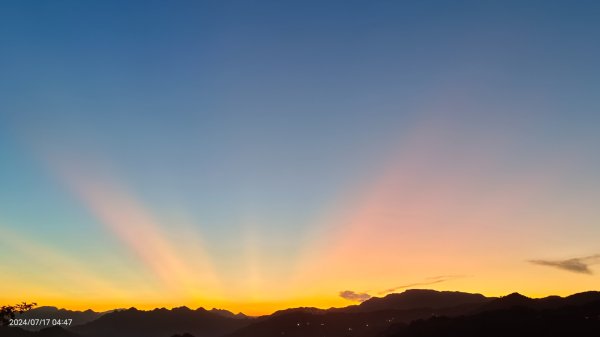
390 315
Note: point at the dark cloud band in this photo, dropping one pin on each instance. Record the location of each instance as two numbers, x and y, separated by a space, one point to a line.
576 265
354 296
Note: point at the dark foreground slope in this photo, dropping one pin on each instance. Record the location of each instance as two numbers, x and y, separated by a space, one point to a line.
517 316
331 324
46 332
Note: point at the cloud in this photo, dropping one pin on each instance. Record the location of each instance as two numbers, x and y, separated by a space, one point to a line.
427 281
576 265
354 296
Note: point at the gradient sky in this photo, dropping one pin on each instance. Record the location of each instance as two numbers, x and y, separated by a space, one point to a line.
260 155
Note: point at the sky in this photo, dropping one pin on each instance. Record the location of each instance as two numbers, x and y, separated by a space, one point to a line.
256 156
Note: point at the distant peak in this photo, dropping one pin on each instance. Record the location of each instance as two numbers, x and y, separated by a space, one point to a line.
47 307
515 295
310 310
221 312
425 293
182 308
421 291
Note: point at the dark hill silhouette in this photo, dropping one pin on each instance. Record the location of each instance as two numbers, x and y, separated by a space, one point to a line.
227 313
550 302
331 324
518 321
582 298
511 300
45 312
424 313
309 310
417 305
161 323
407 300
420 298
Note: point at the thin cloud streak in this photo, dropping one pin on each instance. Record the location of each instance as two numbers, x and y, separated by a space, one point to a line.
579 265
428 281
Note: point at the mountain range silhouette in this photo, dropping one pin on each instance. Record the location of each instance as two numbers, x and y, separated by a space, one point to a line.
416 312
